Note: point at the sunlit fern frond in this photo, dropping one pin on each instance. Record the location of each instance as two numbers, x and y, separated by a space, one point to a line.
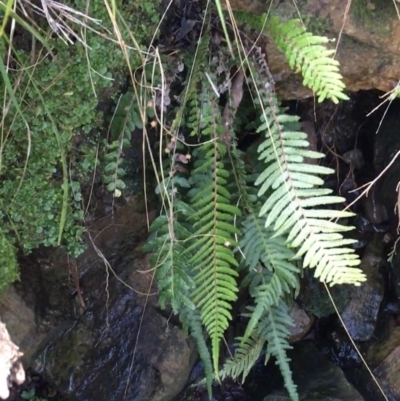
308 54
213 222
246 355
294 207
305 53
270 272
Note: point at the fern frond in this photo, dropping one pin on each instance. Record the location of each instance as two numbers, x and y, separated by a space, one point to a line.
290 210
307 53
213 221
213 258
172 268
246 355
194 321
274 326
271 275
196 64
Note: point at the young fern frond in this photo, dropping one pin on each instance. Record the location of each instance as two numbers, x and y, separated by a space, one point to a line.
290 211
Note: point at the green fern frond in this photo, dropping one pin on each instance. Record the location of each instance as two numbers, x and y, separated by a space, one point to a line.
246 355
307 53
274 326
290 210
213 221
194 321
212 241
271 276
195 65
173 280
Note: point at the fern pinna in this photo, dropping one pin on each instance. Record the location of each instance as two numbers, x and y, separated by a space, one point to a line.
204 249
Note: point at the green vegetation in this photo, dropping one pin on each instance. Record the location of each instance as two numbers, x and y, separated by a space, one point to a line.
224 224
56 89
374 15
31 396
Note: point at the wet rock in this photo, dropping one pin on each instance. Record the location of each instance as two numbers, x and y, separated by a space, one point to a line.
314 299
361 314
317 378
375 210
104 337
302 323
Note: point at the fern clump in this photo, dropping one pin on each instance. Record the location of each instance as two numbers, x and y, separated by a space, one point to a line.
224 226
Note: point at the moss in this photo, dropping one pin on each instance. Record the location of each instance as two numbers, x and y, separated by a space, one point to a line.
375 15
59 99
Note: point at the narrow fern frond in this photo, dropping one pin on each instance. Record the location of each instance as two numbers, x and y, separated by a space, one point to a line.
274 325
194 321
213 258
290 210
213 239
196 65
271 275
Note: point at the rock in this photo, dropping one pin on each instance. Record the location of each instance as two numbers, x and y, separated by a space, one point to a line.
384 358
361 314
375 211
102 334
314 299
355 158
302 323
20 322
368 47
317 378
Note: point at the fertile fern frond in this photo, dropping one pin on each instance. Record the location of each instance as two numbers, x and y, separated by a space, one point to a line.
196 64
246 355
291 209
213 221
